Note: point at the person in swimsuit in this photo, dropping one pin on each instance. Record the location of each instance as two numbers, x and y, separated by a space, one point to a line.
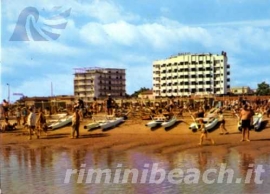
222 123
31 122
200 113
110 103
5 106
246 116
75 126
204 133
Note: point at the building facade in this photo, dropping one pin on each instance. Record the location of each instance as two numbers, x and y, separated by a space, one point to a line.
99 82
242 90
191 74
146 95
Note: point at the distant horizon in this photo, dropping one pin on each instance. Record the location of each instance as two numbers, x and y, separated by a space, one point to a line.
42 42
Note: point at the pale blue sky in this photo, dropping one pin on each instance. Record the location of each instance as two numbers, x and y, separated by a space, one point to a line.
131 35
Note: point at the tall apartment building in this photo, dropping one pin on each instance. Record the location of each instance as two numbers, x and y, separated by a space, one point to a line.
186 74
99 82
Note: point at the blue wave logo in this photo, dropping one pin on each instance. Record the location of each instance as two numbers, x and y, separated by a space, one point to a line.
36 26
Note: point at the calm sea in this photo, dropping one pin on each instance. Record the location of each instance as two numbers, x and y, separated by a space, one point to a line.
44 170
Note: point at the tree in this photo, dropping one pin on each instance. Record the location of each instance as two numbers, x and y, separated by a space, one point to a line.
263 89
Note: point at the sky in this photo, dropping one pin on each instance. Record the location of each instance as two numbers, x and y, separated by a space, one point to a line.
43 41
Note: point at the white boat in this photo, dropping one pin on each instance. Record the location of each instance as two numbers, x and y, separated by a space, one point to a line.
61 123
92 125
111 123
209 123
157 121
169 123
257 121
58 116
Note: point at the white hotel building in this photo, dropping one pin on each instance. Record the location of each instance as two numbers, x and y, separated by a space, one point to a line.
99 82
186 74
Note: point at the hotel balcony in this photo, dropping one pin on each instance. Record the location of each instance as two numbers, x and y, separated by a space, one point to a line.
156 82
89 89
79 90
80 84
79 78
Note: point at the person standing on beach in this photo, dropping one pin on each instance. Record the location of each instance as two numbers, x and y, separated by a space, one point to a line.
109 103
95 106
18 116
200 113
81 108
246 117
75 123
204 133
5 108
222 123
41 123
24 115
31 122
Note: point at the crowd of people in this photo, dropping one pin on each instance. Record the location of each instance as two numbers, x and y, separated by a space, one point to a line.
35 120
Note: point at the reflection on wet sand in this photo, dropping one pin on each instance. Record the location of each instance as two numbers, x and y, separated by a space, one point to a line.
34 170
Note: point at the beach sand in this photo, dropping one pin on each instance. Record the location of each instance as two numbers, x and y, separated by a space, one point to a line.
134 135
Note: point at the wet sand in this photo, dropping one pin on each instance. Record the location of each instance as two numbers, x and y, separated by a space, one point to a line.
134 135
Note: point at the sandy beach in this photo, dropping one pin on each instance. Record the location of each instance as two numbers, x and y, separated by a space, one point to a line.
134 135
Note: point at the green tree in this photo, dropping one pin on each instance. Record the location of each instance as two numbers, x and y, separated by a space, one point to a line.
263 89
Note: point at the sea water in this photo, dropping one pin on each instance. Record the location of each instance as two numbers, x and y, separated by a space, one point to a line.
47 170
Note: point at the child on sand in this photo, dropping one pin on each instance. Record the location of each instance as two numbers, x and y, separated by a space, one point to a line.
204 133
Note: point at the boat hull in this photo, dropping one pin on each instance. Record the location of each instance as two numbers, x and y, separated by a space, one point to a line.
61 123
167 124
111 123
91 126
154 123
